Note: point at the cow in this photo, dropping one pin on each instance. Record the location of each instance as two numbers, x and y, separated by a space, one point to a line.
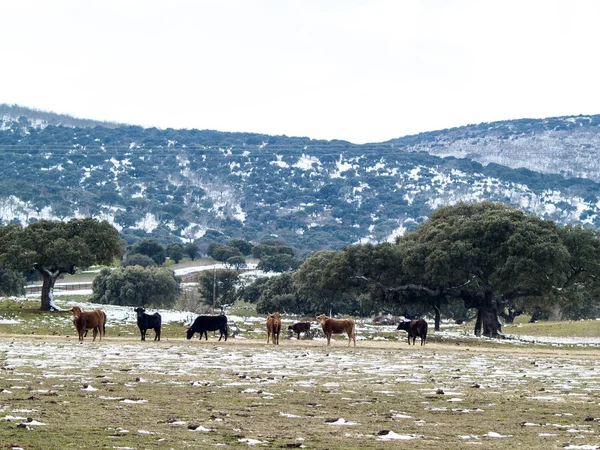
204 324
89 320
337 326
300 327
414 329
148 321
273 327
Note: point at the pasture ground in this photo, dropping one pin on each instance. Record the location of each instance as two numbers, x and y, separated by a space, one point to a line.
122 393
455 392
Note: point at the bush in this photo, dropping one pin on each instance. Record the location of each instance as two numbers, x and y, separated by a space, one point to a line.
137 259
136 286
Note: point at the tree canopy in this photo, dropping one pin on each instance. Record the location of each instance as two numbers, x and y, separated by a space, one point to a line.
136 286
56 248
493 258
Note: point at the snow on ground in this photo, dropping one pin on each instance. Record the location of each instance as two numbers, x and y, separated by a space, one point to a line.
376 370
193 269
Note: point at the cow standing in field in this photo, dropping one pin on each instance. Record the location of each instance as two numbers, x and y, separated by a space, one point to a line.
204 324
89 320
300 327
414 329
273 327
148 321
337 326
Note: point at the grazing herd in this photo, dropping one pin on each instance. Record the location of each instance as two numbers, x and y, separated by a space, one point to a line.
96 320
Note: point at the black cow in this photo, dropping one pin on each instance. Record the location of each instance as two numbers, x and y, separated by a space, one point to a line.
148 321
300 327
414 329
204 324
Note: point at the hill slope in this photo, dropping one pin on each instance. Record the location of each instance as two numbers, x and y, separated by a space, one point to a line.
190 184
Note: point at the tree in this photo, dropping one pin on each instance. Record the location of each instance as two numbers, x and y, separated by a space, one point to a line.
56 248
244 247
175 251
191 250
488 254
278 294
251 293
136 286
224 292
151 248
236 261
278 263
11 282
137 259
222 253
270 247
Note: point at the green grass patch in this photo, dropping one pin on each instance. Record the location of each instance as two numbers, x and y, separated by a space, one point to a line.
566 328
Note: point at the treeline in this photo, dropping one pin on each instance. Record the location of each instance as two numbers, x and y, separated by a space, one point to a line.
484 261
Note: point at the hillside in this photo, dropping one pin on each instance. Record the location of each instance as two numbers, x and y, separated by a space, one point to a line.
565 145
209 185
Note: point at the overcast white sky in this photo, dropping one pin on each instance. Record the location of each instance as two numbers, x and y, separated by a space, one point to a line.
359 70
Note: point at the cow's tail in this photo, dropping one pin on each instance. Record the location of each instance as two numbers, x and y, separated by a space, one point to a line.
104 324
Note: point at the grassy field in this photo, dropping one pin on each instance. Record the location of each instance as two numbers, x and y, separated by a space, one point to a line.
121 393
56 393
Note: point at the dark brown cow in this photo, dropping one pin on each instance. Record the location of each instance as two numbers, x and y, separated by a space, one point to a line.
300 327
273 327
414 329
89 320
337 326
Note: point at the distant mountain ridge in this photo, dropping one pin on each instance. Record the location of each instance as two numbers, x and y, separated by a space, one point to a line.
567 145
209 185
38 118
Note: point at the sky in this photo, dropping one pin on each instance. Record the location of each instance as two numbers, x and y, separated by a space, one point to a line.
357 70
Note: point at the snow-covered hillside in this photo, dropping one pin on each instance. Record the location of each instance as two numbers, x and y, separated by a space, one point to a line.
191 184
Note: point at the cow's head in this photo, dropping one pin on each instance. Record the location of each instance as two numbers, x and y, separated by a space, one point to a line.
76 310
139 310
322 318
403 325
189 333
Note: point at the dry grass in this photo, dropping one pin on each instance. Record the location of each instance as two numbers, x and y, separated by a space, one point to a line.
451 393
150 395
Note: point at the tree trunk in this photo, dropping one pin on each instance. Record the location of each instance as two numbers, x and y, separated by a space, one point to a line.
489 317
47 289
49 277
487 313
477 329
436 308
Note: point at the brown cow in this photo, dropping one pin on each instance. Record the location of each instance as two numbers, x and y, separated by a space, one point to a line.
89 320
273 327
414 329
337 326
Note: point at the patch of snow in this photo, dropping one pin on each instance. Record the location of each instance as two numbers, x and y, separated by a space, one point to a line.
391 436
